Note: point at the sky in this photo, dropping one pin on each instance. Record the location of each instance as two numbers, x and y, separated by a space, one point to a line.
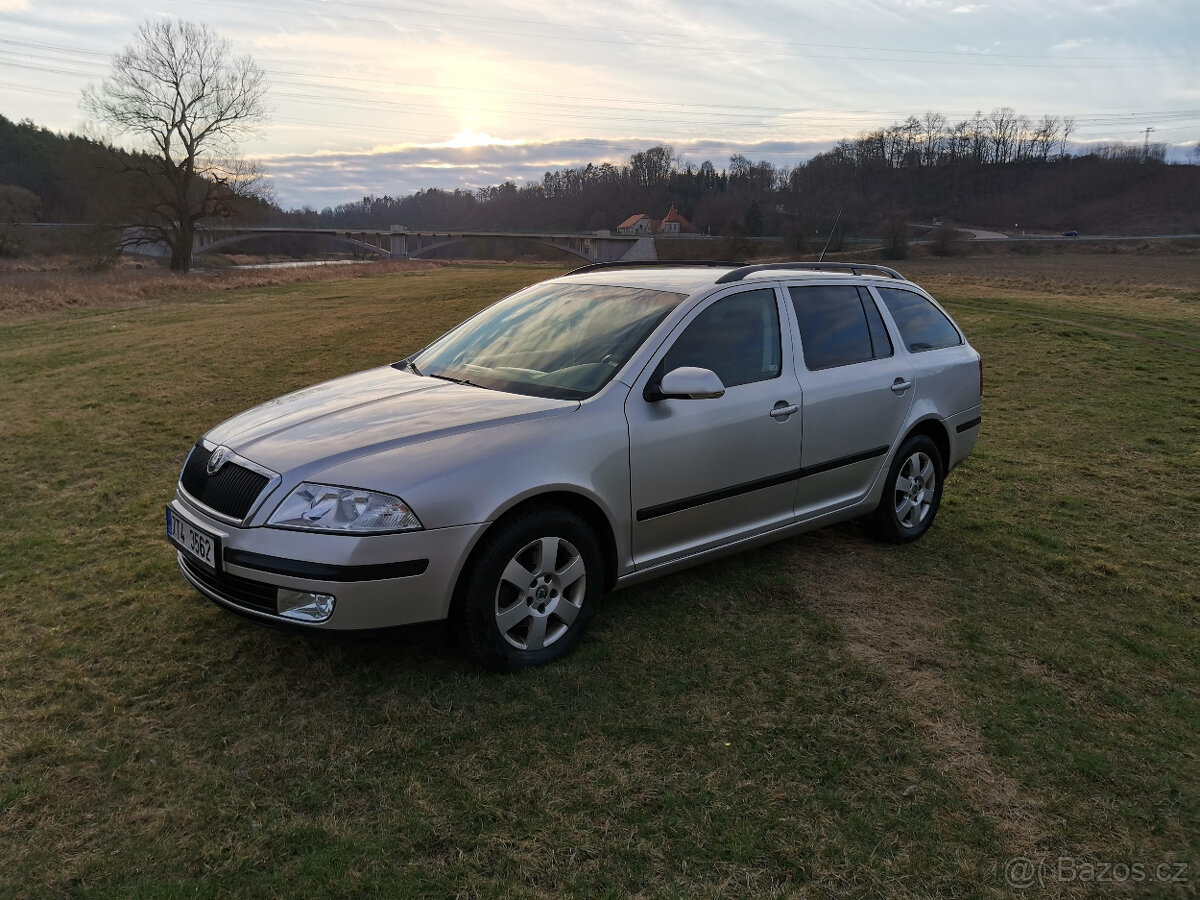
379 97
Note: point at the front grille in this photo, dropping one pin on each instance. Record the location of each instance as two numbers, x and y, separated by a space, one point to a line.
242 591
231 491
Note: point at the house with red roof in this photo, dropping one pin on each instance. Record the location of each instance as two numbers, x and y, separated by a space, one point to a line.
674 223
639 224
671 223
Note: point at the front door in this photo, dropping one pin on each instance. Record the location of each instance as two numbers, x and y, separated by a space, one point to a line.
704 472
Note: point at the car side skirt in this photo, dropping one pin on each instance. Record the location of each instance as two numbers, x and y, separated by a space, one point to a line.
737 546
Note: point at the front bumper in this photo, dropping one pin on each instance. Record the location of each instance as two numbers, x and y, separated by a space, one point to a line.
379 581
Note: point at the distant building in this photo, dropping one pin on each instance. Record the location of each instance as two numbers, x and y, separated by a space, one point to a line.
671 223
639 224
674 223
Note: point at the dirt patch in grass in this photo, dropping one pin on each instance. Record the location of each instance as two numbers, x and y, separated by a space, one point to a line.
901 635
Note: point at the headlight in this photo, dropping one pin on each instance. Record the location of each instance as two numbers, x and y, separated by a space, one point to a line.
323 507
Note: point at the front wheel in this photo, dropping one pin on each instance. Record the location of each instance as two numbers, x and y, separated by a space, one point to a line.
527 596
912 494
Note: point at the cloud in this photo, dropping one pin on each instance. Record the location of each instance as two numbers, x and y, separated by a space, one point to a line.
1072 44
943 6
328 177
13 6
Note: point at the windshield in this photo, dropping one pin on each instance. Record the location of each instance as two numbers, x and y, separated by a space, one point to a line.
551 340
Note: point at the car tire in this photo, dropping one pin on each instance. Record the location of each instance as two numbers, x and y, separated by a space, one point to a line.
530 590
912 493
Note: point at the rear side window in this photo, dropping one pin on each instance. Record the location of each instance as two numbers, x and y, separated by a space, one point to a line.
839 325
922 325
737 337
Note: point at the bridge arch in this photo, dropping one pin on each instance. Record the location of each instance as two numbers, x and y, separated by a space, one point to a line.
249 236
429 248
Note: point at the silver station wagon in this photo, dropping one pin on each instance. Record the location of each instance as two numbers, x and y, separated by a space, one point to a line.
581 435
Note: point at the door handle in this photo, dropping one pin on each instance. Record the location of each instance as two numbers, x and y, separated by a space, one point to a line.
899 386
782 410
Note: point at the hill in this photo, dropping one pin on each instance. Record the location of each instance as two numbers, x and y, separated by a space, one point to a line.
61 169
995 171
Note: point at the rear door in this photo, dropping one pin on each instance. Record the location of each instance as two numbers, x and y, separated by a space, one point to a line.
706 472
857 393
945 367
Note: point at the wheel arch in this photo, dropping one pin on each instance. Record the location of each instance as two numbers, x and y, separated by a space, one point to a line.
580 504
936 430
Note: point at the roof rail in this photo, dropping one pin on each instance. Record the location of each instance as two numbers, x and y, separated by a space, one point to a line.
854 268
644 263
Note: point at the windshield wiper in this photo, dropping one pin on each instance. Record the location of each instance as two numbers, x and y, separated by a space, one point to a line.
412 366
456 380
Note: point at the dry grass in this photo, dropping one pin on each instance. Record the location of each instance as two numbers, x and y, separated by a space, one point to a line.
823 717
35 288
1162 287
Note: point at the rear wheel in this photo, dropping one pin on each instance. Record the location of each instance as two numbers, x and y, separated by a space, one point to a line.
527 596
912 494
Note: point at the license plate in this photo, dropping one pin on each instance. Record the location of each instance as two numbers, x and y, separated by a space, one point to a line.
197 543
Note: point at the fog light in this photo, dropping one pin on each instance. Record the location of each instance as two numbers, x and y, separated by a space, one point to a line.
304 606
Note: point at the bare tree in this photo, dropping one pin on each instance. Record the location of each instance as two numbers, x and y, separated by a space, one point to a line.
652 167
1068 127
185 101
1005 126
1043 138
978 132
959 141
933 138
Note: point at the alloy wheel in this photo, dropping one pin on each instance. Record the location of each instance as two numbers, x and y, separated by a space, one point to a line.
916 483
540 593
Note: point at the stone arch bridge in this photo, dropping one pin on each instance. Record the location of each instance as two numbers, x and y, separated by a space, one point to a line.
400 243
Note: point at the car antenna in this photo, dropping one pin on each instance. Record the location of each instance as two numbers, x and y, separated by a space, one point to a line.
821 258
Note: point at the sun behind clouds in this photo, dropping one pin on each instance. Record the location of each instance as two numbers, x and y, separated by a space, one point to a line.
468 138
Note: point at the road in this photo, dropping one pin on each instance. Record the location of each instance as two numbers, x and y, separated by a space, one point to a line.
981 235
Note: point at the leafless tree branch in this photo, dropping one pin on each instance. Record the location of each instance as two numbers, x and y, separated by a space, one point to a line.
182 98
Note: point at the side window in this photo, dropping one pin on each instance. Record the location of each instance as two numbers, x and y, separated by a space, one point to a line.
922 325
737 337
835 327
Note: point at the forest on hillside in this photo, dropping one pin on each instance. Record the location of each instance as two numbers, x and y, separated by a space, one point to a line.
75 178
1000 170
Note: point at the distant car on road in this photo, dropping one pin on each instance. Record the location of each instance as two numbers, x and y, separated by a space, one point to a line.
1071 233
586 433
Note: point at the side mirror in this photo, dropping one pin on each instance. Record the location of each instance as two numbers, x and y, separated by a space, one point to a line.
691 383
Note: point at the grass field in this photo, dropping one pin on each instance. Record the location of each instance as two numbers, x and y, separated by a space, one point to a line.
824 717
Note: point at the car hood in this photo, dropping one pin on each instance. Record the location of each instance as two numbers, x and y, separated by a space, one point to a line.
379 409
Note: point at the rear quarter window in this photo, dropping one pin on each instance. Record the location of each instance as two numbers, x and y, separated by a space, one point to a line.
922 325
